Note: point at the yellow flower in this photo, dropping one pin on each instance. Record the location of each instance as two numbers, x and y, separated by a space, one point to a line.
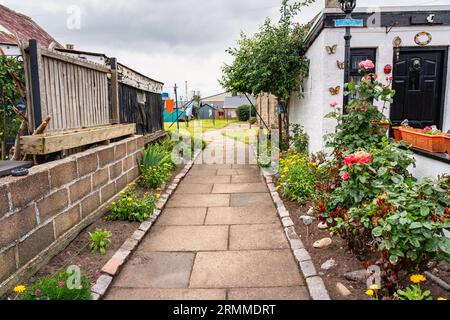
20 289
158 196
122 192
113 203
370 293
417 278
129 199
442 299
374 287
278 187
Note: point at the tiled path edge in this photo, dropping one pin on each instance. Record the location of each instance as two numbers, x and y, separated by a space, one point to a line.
112 268
316 286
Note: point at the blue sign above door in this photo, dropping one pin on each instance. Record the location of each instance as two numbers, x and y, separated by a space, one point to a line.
358 23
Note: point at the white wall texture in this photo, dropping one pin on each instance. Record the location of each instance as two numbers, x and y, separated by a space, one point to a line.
324 74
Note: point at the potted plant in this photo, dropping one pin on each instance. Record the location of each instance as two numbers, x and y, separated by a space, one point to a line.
382 124
428 139
447 143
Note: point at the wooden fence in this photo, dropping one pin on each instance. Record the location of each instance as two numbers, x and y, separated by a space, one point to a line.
73 92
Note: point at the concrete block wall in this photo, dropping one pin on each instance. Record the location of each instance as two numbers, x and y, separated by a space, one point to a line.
42 212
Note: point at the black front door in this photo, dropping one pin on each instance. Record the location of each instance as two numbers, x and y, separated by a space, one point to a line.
418 81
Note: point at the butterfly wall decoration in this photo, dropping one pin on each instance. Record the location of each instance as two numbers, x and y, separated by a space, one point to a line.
340 65
331 49
335 91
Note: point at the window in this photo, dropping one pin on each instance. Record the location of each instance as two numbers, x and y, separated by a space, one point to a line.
356 57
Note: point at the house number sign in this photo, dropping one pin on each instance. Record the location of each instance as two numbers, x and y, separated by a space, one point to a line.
423 39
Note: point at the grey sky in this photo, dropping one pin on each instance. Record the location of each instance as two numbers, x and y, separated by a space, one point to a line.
169 40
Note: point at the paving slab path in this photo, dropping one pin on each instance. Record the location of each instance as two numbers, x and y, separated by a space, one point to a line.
218 238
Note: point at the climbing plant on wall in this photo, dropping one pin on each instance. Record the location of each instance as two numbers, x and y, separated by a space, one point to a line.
11 80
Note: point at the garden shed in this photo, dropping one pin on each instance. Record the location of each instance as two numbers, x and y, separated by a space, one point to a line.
411 46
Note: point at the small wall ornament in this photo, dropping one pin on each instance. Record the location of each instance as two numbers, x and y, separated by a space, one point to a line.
335 91
423 38
387 69
340 65
331 49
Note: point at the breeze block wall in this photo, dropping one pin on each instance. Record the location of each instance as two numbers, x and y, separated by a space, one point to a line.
40 214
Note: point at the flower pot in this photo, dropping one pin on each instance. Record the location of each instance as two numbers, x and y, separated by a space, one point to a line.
397 133
423 141
381 125
447 143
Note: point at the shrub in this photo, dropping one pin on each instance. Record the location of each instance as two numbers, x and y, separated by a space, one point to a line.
243 112
297 176
130 207
57 288
299 138
156 167
100 239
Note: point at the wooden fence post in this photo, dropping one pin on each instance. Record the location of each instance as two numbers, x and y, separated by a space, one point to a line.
115 115
35 73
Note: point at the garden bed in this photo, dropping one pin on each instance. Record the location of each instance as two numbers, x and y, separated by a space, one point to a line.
347 261
77 253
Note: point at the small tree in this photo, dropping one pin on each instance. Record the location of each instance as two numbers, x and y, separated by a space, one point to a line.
273 60
11 76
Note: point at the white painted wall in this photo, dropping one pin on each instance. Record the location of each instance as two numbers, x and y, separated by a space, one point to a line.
309 110
324 74
10 50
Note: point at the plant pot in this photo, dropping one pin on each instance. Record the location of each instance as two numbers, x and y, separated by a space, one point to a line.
397 133
423 141
447 143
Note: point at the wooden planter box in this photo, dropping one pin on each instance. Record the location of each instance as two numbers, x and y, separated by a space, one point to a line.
447 143
423 141
397 133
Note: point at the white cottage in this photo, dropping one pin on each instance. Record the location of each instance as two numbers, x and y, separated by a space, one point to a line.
413 40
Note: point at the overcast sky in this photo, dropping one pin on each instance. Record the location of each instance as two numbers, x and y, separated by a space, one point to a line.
170 40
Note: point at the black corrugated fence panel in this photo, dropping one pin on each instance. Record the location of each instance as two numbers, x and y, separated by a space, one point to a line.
147 117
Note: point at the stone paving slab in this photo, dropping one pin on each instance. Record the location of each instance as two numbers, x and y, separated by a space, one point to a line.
203 172
250 199
245 269
199 201
240 188
186 238
257 237
156 270
166 294
207 180
269 294
182 217
194 188
246 179
241 215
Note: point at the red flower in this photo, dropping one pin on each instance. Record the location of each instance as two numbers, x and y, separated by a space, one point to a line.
434 218
346 176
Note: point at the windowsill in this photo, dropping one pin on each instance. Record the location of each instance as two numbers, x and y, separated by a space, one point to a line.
443 157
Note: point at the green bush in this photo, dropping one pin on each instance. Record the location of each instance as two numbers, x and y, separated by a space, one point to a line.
299 139
156 166
57 288
297 176
131 207
243 112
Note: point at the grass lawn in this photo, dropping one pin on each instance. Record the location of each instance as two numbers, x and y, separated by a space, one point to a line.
206 125
243 135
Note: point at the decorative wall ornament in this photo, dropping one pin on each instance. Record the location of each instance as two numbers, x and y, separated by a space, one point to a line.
397 43
387 69
423 38
340 65
335 91
331 49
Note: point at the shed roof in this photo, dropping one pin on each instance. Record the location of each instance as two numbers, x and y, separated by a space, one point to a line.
15 25
237 101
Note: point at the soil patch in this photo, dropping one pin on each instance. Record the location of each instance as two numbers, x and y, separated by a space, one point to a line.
347 261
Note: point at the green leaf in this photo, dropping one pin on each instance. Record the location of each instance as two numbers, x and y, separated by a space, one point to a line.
377 232
393 259
444 245
424 211
415 225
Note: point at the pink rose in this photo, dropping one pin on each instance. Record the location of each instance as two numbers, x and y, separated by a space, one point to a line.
367 65
333 104
38 292
346 176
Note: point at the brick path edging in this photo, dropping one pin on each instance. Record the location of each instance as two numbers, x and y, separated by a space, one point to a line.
316 286
112 268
